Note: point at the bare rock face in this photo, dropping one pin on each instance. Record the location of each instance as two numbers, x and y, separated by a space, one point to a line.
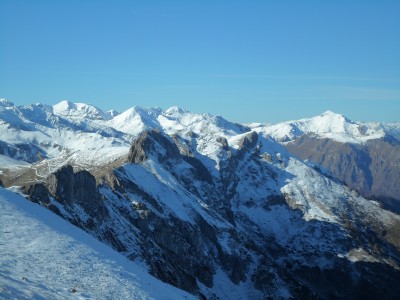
152 142
248 142
68 187
37 193
137 153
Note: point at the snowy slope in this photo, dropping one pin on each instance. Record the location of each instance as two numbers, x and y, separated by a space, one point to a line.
135 120
44 257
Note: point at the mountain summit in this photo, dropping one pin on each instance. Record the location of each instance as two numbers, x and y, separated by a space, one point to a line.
79 110
330 125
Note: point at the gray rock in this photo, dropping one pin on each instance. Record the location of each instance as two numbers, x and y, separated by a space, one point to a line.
69 187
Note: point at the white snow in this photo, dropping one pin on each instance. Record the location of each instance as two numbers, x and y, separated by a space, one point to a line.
44 257
135 120
79 110
327 125
225 289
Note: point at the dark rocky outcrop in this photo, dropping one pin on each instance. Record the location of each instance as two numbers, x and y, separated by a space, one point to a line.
247 143
152 142
69 187
38 193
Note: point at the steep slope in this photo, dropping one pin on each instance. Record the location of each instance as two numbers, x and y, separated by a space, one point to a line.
43 256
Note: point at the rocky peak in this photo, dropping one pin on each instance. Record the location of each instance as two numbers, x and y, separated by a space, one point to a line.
248 141
151 142
169 151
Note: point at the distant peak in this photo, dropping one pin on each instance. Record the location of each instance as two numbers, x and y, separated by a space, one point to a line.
5 102
64 104
330 113
175 110
67 108
142 111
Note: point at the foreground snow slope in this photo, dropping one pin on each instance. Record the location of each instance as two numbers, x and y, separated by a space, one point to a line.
44 257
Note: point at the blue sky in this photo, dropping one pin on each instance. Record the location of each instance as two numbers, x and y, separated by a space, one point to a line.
263 61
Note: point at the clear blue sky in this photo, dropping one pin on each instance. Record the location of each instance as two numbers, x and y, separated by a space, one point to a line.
264 61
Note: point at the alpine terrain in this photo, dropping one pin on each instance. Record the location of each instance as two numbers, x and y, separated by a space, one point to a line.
305 209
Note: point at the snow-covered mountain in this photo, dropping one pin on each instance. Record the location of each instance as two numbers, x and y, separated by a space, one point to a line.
329 125
219 209
364 156
79 111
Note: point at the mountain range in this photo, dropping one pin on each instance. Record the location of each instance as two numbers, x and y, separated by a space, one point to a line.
305 209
